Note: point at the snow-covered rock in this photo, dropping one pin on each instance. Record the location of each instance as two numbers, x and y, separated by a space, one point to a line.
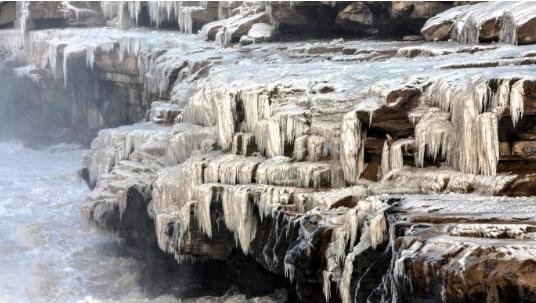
261 32
509 22
165 113
337 164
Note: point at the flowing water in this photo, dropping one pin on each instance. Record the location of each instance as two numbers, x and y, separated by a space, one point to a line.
48 253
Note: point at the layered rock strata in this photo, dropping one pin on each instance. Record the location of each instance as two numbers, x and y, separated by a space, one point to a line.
358 170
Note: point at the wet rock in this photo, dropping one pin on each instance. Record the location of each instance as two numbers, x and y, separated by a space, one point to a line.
261 32
7 14
396 18
303 18
361 18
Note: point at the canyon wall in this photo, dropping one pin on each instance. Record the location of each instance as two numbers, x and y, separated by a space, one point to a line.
357 169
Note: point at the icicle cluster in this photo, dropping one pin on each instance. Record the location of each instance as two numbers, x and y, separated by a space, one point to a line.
367 219
114 145
160 13
469 22
393 156
462 123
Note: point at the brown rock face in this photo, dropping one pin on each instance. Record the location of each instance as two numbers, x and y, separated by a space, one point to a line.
309 18
526 32
445 255
359 17
7 14
395 19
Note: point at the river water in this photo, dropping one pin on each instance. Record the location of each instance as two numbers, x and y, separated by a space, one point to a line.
48 253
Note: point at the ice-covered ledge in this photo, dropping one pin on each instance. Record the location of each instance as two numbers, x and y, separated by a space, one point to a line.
331 163
290 139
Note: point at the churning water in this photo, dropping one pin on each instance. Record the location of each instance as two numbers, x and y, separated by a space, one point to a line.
48 253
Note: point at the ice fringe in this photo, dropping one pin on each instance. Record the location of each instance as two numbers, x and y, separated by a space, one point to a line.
367 219
469 20
471 111
160 12
113 145
239 216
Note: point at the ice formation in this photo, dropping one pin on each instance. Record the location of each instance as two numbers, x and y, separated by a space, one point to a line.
475 23
352 147
300 151
24 16
29 71
160 12
471 111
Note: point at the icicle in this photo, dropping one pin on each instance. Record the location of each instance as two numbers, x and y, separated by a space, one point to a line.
109 9
367 217
226 108
279 171
481 96
502 97
201 108
316 148
396 157
24 17
204 200
187 138
352 147
468 141
269 139
488 143
517 98
385 167
346 280
239 216
290 271
326 288
232 169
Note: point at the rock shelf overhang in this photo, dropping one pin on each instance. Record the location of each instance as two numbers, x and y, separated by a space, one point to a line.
373 169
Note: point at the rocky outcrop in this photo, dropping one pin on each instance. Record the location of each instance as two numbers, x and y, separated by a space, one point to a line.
471 259
316 159
303 18
508 22
356 170
390 18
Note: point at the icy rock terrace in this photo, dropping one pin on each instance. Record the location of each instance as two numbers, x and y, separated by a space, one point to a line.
369 168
